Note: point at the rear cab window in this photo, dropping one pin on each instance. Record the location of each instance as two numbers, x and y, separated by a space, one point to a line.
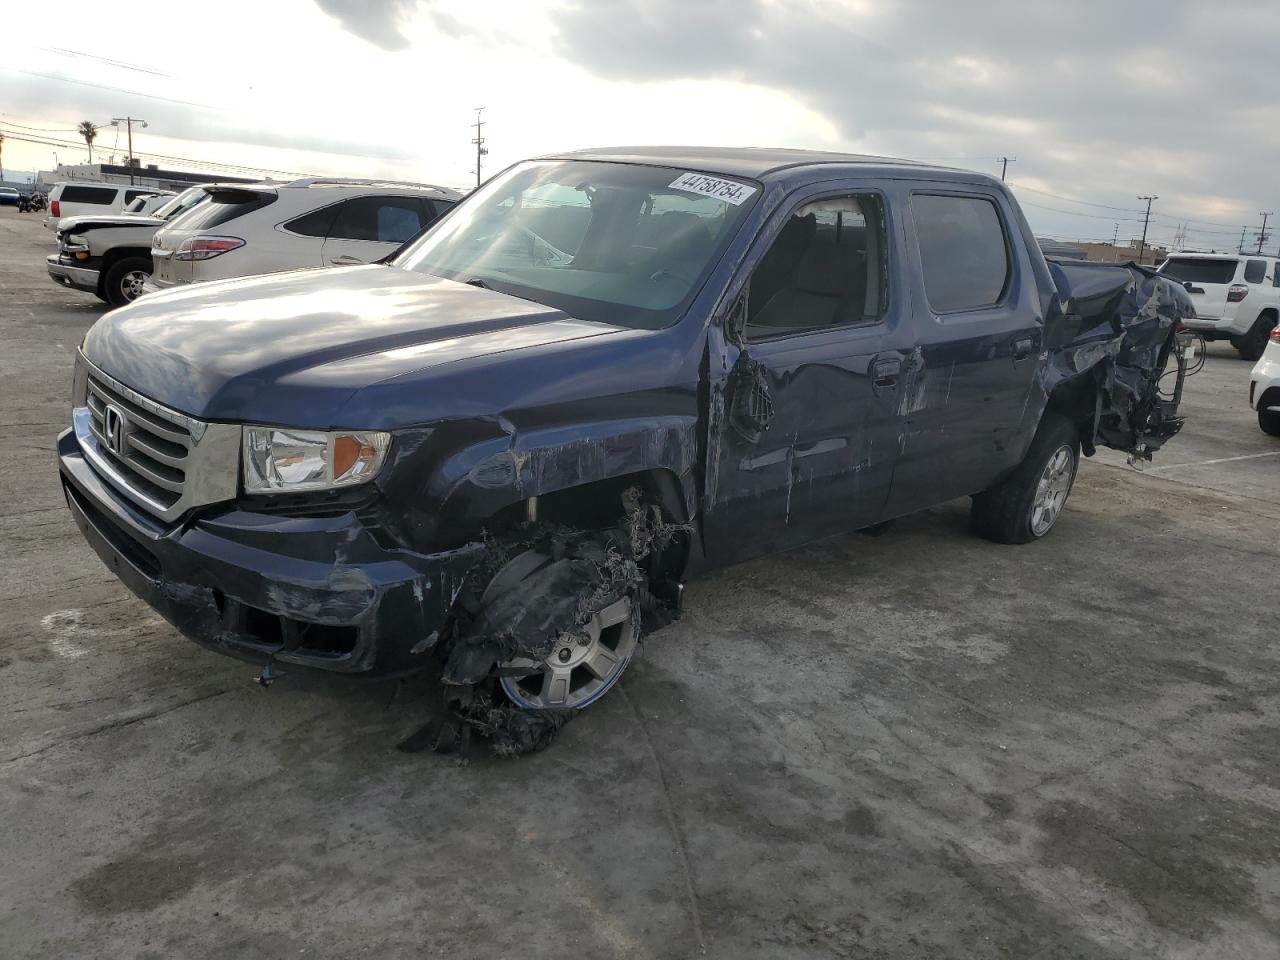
1201 269
964 253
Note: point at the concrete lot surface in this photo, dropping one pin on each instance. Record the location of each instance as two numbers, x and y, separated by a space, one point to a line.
918 745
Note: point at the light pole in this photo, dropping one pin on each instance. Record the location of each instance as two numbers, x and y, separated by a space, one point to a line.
481 150
129 122
1004 165
1142 245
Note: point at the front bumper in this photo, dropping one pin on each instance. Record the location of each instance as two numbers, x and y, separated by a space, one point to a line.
78 278
312 592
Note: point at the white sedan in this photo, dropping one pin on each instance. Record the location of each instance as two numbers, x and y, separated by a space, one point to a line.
1264 386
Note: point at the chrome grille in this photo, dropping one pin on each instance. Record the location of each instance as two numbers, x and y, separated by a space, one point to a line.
150 445
164 461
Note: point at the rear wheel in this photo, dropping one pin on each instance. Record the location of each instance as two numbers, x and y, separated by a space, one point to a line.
124 280
1027 503
1269 420
1254 342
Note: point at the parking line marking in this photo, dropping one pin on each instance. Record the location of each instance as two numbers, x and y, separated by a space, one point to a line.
1205 463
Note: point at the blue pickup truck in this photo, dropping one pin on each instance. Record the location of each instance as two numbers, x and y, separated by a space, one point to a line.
504 450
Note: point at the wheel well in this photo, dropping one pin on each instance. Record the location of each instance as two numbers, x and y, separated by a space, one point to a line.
598 505
1076 399
114 256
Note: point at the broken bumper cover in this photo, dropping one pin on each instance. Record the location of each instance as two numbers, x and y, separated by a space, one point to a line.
77 278
303 591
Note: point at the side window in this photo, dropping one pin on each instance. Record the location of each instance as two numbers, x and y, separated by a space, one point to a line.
826 268
1255 271
132 195
380 219
88 195
314 224
962 251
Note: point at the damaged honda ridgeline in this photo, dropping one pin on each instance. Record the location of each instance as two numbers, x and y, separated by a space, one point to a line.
508 447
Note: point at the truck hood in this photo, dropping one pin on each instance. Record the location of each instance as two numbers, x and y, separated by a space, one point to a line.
292 348
91 222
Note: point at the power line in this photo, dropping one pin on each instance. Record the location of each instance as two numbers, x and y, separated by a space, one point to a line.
107 86
52 142
124 65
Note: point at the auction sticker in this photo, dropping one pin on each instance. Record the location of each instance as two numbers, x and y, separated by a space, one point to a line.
730 191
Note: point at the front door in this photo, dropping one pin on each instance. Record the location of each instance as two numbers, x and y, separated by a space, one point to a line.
804 384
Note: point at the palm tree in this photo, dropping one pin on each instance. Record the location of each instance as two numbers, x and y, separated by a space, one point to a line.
90 133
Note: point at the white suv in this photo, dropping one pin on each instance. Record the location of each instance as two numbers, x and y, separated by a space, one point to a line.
242 231
1264 387
81 199
1237 297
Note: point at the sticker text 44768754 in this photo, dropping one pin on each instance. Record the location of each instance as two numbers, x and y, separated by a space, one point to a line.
730 191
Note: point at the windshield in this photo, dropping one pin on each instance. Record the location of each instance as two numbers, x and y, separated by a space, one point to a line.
180 204
616 243
1200 269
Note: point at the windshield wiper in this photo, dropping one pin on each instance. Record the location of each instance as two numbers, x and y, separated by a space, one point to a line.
477 282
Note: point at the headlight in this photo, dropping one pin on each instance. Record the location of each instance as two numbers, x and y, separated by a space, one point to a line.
280 460
77 240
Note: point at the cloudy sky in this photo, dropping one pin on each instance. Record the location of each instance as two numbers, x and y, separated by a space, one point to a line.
1100 101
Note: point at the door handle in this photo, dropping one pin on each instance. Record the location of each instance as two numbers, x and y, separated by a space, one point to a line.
884 372
346 260
1023 348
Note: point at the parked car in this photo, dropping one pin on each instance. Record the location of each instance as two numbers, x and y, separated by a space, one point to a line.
146 204
9 196
1264 386
249 230
600 375
1237 298
110 255
75 199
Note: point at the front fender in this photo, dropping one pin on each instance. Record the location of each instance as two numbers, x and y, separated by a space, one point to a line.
494 465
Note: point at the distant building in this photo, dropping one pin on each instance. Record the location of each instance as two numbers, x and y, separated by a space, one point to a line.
149 175
1152 255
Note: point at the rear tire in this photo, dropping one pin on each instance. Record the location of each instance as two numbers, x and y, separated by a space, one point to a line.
123 282
1269 420
1025 505
1251 345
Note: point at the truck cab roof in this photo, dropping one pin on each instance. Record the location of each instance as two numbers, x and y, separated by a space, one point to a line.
770 163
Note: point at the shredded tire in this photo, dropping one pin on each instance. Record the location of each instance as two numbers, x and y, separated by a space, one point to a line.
1003 513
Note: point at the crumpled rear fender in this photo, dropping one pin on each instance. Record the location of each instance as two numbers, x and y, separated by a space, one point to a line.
1109 337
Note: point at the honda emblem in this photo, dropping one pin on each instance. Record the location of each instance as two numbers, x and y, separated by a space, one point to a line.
115 425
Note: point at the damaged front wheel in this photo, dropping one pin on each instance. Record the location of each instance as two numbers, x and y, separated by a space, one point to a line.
581 669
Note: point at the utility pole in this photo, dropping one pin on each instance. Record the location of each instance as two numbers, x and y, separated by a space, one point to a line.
128 122
1142 246
1243 231
1262 234
481 150
1004 164
1115 238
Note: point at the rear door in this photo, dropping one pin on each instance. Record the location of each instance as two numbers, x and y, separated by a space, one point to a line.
1207 279
804 411
978 318
369 228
